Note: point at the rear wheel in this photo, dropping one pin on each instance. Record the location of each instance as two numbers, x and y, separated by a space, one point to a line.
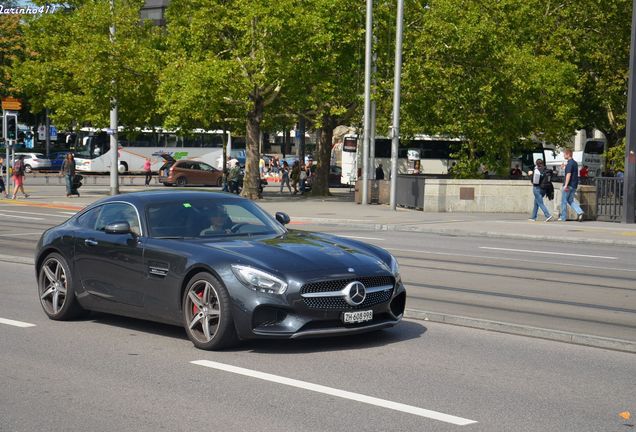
123 168
55 289
27 168
207 316
182 181
219 182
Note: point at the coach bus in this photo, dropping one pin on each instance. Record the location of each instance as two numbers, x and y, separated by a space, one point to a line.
434 153
93 152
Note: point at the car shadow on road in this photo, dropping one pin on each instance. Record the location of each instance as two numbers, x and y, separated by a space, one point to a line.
404 331
139 325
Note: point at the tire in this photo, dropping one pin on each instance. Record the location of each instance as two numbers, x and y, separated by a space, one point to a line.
55 289
123 168
219 182
182 181
28 169
207 316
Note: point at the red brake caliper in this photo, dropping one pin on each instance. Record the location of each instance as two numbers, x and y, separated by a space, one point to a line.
195 309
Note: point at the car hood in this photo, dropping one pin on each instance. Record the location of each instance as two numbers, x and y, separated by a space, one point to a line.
300 252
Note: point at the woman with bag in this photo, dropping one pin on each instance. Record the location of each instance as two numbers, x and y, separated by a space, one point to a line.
18 177
537 176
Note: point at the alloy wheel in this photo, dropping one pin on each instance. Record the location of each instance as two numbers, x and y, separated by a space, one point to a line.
53 286
203 311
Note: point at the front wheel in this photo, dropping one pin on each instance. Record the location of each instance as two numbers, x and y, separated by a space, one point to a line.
55 289
27 168
207 317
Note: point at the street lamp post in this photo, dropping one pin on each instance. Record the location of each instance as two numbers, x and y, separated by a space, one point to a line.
367 103
395 128
629 185
114 166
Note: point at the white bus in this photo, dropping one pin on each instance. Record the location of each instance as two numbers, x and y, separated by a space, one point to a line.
434 152
591 156
93 152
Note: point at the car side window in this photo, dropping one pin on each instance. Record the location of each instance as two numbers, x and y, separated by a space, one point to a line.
185 165
206 167
118 212
195 166
89 219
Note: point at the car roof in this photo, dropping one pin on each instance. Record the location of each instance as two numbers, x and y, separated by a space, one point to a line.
150 197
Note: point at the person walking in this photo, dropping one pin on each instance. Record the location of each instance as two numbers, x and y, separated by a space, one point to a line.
147 171
18 177
284 176
303 179
68 171
570 183
538 180
3 188
233 178
295 176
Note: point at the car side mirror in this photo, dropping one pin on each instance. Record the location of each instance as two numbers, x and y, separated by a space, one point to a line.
118 228
283 218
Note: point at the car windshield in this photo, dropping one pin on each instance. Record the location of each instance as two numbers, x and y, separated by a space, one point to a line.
209 218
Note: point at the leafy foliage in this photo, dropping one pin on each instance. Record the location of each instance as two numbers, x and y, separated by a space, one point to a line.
72 64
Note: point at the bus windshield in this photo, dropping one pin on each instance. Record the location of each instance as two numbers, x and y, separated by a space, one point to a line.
92 146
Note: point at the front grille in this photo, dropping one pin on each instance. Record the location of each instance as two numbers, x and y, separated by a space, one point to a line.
337 285
338 302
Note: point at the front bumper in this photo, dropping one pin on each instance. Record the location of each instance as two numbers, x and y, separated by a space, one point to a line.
274 317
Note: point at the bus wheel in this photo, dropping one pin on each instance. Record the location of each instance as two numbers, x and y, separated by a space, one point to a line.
123 168
182 181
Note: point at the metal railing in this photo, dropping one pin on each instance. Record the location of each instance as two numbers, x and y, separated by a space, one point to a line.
609 199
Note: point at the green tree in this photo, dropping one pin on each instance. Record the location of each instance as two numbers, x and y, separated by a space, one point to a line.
476 70
329 74
72 64
11 49
246 52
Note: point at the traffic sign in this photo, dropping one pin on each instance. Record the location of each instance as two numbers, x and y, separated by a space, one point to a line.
11 103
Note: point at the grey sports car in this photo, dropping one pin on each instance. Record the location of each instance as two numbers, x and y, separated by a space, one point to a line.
218 265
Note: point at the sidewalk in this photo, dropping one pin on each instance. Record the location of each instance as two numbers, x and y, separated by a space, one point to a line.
340 210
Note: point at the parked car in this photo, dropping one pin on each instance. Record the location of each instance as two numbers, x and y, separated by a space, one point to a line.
34 161
185 172
219 266
57 159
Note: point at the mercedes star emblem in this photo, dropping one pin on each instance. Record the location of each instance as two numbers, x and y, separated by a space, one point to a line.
355 293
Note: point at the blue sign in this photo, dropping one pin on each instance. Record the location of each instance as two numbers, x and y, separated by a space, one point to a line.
53 133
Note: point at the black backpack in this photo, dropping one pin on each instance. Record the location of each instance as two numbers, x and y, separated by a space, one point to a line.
545 183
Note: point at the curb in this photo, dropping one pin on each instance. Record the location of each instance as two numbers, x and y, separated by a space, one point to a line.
523 330
460 233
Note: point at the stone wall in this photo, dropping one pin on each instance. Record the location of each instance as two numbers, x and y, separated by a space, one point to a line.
486 196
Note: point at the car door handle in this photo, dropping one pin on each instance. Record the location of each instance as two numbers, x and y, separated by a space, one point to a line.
90 242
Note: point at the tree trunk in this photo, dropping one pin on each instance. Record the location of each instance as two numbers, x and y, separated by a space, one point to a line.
252 180
320 185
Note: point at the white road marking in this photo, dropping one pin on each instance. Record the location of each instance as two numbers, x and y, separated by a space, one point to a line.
435 415
505 259
15 323
20 217
546 253
361 238
34 213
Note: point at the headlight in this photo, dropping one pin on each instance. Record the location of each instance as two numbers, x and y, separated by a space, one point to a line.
395 268
259 280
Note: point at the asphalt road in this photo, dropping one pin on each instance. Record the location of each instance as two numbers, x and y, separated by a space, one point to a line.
585 289
105 373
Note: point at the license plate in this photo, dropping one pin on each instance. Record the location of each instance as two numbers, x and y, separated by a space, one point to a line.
357 317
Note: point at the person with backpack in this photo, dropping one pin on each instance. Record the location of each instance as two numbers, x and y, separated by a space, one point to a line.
68 171
18 177
540 179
